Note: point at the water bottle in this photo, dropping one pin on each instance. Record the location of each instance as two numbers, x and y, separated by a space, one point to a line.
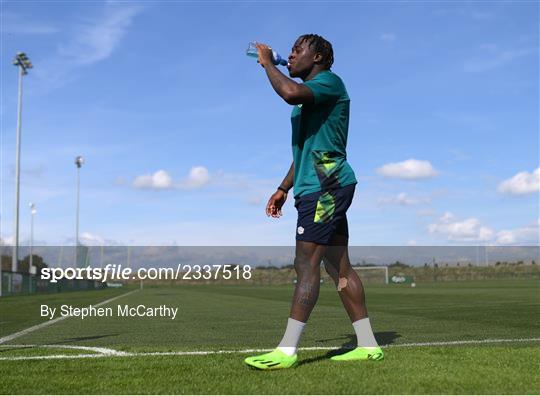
254 53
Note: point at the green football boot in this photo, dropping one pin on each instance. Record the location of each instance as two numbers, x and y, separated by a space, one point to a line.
360 353
272 360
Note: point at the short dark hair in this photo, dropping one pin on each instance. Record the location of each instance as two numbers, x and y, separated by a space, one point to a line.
322 46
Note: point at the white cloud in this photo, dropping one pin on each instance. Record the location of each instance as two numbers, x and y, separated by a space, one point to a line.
521 183
7 241
530 234
87 238
197 178
96 39
24 241
412 242
388 37
157 181
468 230
89 42
410 169
161 180
497 59
404 199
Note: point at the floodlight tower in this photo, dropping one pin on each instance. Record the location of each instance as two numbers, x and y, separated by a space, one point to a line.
79 161
32 213
23 63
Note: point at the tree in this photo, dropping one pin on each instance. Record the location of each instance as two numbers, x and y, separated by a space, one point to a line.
398 264
6 262
37 261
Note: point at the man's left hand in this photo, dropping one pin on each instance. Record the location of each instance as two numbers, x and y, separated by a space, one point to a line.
265 54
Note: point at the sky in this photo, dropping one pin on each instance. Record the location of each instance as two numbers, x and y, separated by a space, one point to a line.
184 139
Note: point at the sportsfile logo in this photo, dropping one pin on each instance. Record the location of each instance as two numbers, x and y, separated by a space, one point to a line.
110 271
117 272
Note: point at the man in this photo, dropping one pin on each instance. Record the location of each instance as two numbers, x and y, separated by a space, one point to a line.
324 186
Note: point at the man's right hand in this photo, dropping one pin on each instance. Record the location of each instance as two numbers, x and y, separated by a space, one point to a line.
265 54
275 203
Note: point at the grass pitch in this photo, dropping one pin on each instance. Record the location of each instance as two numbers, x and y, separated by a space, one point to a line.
418 325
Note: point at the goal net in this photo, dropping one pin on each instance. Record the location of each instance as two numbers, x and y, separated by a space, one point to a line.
378 274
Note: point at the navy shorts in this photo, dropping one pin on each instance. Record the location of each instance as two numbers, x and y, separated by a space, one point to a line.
322 214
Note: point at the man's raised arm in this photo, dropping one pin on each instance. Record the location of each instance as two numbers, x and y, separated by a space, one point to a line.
289 90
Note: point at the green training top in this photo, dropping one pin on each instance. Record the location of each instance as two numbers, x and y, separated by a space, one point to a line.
319 137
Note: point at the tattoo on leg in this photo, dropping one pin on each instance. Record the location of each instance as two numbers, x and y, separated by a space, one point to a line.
306 294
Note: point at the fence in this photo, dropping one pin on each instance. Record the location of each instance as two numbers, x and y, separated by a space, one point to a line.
469 273
24 283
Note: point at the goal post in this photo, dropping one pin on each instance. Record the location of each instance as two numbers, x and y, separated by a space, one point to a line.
376 274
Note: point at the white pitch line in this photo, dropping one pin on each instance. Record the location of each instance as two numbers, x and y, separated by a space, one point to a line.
52 357
463 342
103 351
50 322
114 353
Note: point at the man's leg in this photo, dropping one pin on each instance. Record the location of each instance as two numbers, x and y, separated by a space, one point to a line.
306 292
351 292
308 279
349 285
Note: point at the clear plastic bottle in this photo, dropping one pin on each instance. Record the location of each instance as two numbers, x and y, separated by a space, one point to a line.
254 53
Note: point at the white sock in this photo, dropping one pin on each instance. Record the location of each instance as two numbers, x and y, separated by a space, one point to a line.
364 334
289 342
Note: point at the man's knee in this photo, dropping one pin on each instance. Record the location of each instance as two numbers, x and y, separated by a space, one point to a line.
308 257
331 269
305 265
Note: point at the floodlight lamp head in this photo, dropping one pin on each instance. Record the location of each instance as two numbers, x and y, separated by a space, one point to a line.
22 61
79 160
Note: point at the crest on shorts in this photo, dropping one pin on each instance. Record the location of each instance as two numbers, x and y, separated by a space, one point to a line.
300 230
